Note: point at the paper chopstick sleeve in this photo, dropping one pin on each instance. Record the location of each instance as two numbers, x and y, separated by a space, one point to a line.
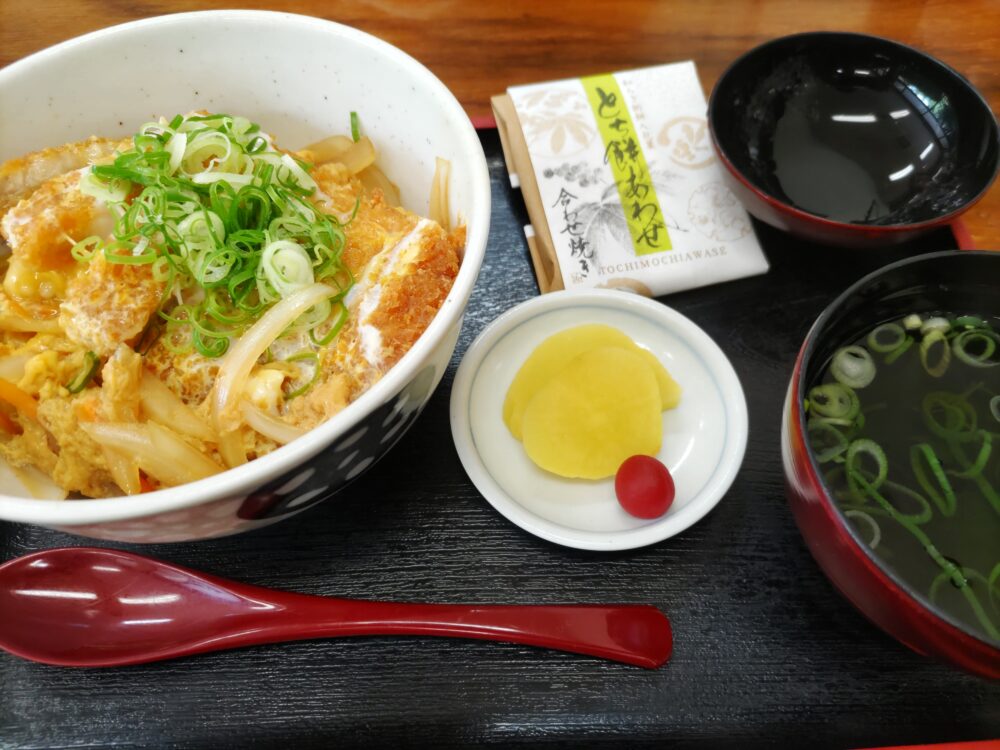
515 153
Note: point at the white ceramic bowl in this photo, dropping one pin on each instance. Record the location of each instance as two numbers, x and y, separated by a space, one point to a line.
300 78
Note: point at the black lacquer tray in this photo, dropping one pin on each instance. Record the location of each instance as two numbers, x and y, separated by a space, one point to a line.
767 653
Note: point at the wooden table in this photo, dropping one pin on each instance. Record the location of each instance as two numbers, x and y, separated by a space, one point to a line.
479 47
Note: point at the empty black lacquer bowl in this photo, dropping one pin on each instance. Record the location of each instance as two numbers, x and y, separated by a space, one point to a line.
851 139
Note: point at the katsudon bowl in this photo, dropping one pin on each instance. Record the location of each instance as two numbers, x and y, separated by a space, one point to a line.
300 78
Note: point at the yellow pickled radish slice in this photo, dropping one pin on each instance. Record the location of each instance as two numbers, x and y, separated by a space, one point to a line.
557 351
670 391
598 410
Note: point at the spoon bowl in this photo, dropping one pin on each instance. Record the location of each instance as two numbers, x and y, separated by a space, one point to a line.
88 607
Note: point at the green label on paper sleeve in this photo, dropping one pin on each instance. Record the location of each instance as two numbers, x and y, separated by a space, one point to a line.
623 155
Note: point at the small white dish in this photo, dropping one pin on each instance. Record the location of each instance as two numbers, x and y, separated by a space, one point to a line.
704 438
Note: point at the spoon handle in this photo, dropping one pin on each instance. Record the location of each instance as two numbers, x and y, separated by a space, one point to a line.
633 634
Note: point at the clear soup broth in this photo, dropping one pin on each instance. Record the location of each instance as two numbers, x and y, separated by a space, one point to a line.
905 424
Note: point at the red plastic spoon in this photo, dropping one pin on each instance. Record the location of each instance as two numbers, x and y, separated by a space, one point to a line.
86 607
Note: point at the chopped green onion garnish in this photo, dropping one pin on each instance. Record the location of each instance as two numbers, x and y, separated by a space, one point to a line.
301 356
983 340
993 584
935 368
982 483
924 512
872 524
828 441
223 219
945 498
853 367
899 351
949 416
970 321
355 127
886 338
952 571
935 324
834 400
864 446
967 575
84 250
329 335
91 362
981 458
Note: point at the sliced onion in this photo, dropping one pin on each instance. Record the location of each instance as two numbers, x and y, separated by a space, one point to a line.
12 367
159 452
374 178
242 357
27 481
178 461
231 449
164 406
853 367
126 436
10 322
124 471
360 155
329 149
269 426
439 208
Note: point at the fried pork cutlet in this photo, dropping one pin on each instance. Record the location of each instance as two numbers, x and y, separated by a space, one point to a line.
391 305
64 313
22 176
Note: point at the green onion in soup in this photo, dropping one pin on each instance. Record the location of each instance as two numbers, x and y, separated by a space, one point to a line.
903 422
